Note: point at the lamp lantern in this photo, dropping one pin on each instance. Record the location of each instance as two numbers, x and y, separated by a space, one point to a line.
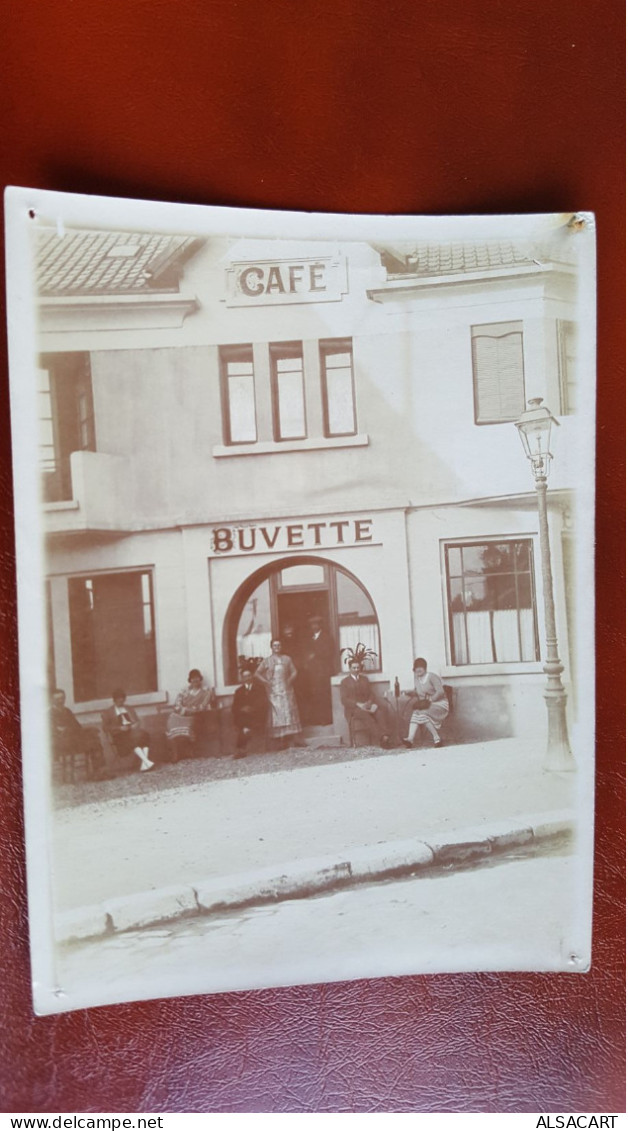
535 429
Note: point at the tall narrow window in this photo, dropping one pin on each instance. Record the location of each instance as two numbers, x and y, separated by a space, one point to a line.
238 394
338 389
490 591
288 392
112 634
66 419
498 379
357 622
566 332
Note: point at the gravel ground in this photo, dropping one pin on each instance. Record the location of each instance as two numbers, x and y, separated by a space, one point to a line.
195 770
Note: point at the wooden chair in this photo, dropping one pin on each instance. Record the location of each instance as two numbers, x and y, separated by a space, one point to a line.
359 726
80 765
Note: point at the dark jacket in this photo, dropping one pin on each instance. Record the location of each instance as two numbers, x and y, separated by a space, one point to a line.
111 720
319 656
250 708
68 736
354 691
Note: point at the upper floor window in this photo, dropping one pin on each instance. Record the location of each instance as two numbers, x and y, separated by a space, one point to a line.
66 419
498 376
238 394
338 388
566 332
288 391
491 602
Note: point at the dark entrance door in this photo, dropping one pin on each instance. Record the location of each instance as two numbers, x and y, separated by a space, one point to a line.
294 611
314 656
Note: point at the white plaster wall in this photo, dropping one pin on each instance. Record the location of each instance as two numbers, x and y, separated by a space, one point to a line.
428 530
157 399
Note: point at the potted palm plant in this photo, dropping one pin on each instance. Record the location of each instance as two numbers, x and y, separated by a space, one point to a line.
360 654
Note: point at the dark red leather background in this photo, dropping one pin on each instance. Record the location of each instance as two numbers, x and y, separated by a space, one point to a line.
358 105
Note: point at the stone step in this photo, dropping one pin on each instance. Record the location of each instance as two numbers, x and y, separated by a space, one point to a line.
317 740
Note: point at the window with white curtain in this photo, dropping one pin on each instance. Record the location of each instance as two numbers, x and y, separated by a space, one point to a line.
491 602
238 394
338 388
288 391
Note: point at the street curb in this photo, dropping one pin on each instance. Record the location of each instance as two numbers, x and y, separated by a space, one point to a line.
303 878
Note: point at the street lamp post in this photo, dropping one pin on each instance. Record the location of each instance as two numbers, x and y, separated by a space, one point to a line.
535 426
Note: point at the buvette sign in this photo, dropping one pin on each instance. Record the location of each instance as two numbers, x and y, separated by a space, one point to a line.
286 281
281 536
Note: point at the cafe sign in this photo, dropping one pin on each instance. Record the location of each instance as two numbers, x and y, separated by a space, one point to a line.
282 537
280 281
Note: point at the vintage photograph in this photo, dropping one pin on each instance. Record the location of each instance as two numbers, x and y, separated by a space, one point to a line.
305 564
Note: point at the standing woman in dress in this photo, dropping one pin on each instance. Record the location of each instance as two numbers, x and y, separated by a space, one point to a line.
431 705
181 729
278 673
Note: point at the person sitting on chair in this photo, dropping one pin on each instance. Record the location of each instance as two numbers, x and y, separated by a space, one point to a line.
190 707
430 703
357 699
249 712
122 725
68 736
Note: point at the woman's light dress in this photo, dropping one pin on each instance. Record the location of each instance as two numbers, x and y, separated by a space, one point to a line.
192 701
278 674
430 687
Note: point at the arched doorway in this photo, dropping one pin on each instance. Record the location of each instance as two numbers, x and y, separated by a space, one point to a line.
281 600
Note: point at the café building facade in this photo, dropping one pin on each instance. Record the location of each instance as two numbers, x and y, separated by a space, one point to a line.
237 434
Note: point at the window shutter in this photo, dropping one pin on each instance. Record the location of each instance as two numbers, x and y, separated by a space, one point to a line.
498 373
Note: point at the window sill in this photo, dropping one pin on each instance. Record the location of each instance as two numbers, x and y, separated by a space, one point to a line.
469 671
373 677
63 505
148 699
272 447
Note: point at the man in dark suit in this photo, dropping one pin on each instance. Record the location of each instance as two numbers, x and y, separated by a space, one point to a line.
318 664
356 696
249 712
69 737
122 725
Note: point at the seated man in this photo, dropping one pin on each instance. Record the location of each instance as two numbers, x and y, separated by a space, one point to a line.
122 726
249 711
69 737
357 699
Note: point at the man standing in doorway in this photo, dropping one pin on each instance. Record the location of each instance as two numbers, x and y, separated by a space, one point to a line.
318 666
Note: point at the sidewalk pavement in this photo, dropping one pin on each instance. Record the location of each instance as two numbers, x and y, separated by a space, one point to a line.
218 845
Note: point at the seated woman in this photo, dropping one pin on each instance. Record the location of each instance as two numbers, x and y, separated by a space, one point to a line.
122 725
188 705
430 703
